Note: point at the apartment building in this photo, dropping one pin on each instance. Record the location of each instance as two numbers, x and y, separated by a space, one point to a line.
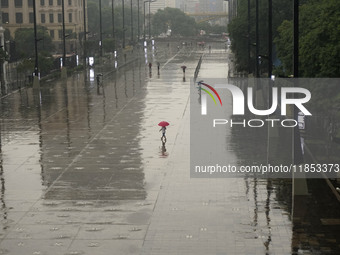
19 14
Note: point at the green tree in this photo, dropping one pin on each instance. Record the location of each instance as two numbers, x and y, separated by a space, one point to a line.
284 44
319 40
208 28
238 29
178 21
24 41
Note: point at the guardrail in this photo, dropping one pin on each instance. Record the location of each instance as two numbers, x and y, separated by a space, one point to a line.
198 68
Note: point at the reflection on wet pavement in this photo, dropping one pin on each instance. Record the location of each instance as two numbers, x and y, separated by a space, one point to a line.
83 171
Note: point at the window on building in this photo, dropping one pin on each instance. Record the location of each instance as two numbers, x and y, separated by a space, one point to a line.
18 18
4 3
59 2
31 17
5 18
60 18
43 18
30 3
70 17
51 18
18 3
50 2
69 2
52 34
60 33
42 2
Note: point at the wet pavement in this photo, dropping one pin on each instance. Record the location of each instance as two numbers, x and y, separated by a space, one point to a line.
83 171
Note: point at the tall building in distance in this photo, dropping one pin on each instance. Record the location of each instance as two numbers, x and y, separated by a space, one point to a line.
161 4
19 14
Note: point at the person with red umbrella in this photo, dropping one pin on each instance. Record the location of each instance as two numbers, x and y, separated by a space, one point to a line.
163 125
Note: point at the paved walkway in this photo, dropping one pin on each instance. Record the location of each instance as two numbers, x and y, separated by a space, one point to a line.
213 216
83 170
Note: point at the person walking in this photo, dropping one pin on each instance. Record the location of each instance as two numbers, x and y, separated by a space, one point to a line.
163 129
158 67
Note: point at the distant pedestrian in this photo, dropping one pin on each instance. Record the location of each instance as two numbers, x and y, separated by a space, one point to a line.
163 129
183 68
150 67
98 79
158 66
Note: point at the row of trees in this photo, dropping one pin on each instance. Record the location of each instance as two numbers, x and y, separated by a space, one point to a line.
178 21
319 36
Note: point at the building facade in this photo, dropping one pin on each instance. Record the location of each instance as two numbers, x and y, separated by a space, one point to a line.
19 14
161 4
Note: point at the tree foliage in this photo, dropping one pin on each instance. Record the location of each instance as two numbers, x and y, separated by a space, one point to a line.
319 40
214 29
319 34
176 20
24 40
238 29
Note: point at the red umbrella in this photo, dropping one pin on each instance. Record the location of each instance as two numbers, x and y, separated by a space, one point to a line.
163 124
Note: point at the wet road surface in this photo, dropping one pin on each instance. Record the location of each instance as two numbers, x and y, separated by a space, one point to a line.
83 171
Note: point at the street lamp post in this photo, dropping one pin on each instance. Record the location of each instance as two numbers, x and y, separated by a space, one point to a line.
64 72
113 26
132 41
149 1
123 14
149 20
296 39
249 39
270 38
144 19
100 29
84 15
229 11
138 28
257 41
36 65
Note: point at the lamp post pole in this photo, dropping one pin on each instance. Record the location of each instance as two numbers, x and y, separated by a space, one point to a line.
149 20
144 20
123 14
113 26
138 26
63 71
257 41
296 39
100 29
132 40
270 38
249 39
84 15
36 65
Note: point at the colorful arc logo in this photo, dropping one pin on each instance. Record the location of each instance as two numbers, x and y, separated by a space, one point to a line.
200 83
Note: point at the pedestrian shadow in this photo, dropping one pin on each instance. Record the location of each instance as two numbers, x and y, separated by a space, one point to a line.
162 150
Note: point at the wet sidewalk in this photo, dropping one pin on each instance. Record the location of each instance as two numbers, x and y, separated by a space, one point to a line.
83 171
214 216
